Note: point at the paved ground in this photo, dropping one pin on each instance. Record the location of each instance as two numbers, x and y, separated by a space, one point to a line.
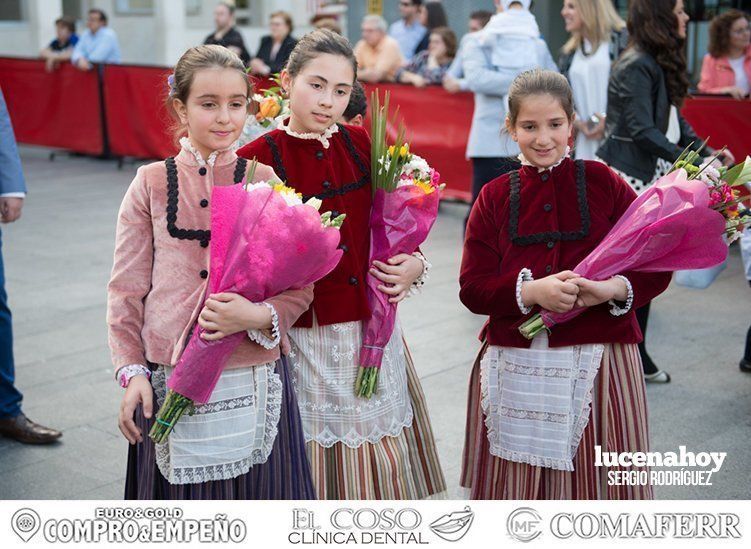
57 261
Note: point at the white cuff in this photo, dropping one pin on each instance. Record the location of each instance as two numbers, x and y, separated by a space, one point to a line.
525 275
13 195
615 310
417 285
125 373
262 339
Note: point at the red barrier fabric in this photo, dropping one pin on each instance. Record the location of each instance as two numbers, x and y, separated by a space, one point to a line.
138 123
726 121
59 109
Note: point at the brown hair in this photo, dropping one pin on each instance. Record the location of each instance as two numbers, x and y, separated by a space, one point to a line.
192 61
653 29
436 15
449 39
719 32
483 16
287 19
539 82
318 42
66 22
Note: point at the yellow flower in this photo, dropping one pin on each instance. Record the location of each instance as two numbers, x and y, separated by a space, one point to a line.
403 150
425 186
269 108
281 188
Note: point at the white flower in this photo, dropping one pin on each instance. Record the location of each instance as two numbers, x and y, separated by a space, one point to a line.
417 167
250 187
315 202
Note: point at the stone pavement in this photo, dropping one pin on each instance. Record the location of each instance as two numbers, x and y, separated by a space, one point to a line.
57 260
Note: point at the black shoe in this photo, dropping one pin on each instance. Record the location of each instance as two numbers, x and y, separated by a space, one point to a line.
745 365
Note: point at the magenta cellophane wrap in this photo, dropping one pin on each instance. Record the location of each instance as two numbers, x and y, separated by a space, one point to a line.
260 247
399 222
668 227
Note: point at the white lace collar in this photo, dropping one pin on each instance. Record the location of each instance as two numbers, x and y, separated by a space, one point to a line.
188 146
526 162
322 137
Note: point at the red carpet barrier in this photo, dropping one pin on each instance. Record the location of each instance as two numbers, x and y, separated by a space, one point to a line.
726 121
59 109
138 123
62 110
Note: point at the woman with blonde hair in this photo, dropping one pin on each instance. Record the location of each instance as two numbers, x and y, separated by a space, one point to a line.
598 36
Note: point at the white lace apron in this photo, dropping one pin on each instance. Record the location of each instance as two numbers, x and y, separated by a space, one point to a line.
324 364
229 434
537 401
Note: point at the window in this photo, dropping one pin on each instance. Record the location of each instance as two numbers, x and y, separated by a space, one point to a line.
135 7
12 10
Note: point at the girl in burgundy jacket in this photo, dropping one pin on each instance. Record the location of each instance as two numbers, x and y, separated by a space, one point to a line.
537 410
378 448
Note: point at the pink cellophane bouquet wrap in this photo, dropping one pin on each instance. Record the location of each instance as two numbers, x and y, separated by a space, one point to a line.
406 194
670 226
264 241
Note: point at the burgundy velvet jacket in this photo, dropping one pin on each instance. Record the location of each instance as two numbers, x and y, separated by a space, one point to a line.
547 222
340 176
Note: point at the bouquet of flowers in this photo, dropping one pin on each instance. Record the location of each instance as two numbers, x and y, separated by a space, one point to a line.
406 192
264 241
272 106
684 221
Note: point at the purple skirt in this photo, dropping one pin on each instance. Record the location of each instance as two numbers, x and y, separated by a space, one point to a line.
284 475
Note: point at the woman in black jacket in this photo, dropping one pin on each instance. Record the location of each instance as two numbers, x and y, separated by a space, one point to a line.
645 132
275 48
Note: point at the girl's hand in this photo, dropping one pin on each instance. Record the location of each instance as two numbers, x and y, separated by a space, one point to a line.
593 292
138 391
555 293
226 314
400 272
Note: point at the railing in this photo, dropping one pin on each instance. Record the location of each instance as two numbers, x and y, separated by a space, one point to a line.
118 110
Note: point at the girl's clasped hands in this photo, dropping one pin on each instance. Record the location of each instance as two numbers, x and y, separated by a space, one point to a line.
563 291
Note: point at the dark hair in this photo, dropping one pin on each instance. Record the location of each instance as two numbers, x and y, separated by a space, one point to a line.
196 59
719 32
315 43
230 7
358 103
100 13
287 19
539 82
449 39
67 22
436 15
481 15
416 2
653 29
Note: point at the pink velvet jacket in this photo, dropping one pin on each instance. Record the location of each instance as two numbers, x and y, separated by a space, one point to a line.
159 276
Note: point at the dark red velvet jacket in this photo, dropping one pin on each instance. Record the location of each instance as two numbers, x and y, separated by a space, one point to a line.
340 176
547 223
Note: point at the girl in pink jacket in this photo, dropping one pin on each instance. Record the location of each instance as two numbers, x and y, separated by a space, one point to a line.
247 441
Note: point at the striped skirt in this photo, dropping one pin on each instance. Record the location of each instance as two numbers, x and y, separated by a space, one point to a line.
285 475
401 467
618 423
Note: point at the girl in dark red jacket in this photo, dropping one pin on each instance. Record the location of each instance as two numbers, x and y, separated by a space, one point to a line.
543 415
378 448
